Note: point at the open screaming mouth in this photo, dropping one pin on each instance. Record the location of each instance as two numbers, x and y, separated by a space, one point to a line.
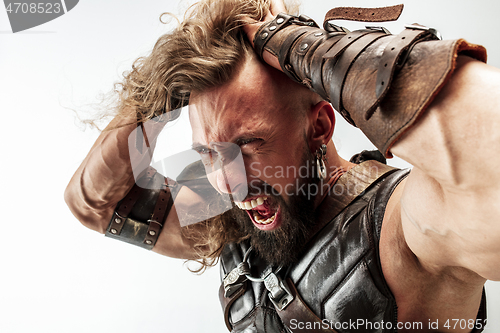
260 212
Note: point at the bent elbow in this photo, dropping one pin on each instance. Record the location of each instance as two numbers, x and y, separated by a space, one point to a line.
87 216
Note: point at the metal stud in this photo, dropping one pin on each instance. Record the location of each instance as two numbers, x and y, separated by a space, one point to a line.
272 28
264 35
118 220
152 232
149 242
114 231
280 20
304 46
318 34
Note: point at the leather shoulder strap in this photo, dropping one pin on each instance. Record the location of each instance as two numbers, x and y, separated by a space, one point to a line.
226 302
346 189
349 186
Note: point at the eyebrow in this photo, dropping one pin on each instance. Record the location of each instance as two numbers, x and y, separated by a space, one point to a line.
197 146
237 141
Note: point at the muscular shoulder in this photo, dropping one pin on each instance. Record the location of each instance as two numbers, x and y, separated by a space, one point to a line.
421 286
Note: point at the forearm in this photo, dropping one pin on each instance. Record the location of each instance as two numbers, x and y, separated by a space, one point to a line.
379 82
106 174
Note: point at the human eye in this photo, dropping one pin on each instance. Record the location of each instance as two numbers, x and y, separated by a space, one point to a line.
248 141
202 150
208 155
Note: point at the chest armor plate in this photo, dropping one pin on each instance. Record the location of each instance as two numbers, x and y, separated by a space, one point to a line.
338 275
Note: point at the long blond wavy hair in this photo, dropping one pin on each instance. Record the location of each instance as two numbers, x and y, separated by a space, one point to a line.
203 51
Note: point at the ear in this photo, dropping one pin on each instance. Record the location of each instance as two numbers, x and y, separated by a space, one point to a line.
322 120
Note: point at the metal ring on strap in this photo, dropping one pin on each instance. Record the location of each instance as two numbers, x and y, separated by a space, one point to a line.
252 278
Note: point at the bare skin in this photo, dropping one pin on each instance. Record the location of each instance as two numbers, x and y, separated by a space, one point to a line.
258 127
440 231
105 177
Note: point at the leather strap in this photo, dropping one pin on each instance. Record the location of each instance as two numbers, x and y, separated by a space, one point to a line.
127 203
163 205
142 233
131 198
226 302
282 20
363 175
316 74
383 14
344 64
352 183
347 40
392 59
265 32
331 56
297 310
284 57
357 180
309 42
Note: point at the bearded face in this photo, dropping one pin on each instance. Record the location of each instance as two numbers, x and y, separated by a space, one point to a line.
276 124
289 222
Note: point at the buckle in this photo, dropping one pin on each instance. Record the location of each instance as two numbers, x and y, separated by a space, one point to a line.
233 281
154 221
279 294
330 27
376 28
304 20
432 31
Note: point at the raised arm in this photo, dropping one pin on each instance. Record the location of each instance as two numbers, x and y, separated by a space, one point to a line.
434 103
106 176
451 201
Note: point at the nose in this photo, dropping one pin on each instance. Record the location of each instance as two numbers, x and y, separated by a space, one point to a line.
231 178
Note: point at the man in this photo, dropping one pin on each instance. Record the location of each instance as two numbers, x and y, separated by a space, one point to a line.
438 232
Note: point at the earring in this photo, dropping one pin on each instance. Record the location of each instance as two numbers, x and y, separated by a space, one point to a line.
320 161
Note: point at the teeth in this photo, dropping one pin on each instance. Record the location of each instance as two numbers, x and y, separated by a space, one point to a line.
247 205
257 218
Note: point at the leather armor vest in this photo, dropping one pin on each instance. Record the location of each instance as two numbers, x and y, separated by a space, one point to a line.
339 275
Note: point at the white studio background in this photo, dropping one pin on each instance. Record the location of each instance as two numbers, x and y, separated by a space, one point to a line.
57 276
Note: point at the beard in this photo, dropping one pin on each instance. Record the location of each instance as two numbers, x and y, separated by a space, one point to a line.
284 244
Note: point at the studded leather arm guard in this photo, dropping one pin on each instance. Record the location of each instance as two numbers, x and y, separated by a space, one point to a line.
139 217
379 82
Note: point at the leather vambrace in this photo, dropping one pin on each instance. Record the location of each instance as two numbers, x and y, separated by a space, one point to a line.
379 82
139 217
